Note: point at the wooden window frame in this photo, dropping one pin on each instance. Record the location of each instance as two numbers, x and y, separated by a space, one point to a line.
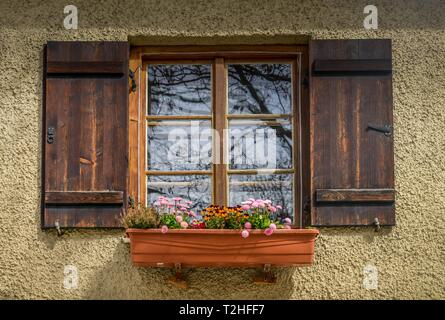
219 57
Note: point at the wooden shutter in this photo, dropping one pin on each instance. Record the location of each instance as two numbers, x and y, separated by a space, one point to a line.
85 134
352 160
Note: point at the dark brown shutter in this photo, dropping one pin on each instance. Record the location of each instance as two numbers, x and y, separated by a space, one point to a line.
352 159
85 134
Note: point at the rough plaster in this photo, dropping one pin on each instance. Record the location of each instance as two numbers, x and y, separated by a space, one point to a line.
409 257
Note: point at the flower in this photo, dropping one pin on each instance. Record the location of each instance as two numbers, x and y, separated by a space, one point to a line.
164 229
279 207
255 204
184 225
273 226
268 231
244 234
188 202
268 201
178 219
272 209
177 199
248 225
286 226
287 221
245 207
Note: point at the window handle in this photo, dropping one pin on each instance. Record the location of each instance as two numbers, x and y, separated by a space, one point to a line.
386 129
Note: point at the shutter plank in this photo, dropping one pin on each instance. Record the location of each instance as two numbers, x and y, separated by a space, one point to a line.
345 155
352 66
355 195
80 197
87 103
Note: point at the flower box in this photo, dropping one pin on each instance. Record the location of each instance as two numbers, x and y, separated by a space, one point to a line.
221 247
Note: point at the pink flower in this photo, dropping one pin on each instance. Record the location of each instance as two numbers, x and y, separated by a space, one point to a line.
178 219
164 229
287 221
191 213
184 225
286 226
177 199
268 231
244 234
273 226
255 204
245 207
279 207
251 199
268 201
183 209
163 202
189 202
272 209
246 202
248 225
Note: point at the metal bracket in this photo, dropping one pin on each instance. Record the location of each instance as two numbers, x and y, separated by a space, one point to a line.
177 279
57 226
133 81
266 276
377 225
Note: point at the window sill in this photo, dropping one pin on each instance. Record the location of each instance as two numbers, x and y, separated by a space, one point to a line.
220 247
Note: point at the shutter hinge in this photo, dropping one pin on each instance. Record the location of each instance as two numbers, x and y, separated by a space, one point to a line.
131 202
133 81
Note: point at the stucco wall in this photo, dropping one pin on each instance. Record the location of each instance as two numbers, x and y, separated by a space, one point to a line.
410 257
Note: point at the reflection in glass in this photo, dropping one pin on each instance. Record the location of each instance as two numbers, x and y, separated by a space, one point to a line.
260 88
278 188
179 145
259 144
179 89
196 188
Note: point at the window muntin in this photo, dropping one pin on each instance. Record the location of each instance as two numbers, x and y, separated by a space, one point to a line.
268 103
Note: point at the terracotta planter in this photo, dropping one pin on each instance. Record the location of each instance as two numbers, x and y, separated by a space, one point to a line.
213 247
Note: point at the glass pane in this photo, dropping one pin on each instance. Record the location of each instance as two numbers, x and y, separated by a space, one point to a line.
180 89
260 88
260 144
195 188
179 145
277 188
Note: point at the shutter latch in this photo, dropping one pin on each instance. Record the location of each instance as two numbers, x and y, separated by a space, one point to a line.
387 130
50 135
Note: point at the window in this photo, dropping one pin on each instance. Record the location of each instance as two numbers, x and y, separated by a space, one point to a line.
332 163
223 128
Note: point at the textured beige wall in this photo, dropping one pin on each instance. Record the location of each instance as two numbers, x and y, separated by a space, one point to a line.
410 257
